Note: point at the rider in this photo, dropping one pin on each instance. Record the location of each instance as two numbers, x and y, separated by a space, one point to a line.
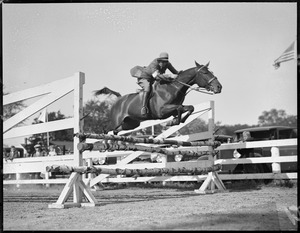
145 80
154 71
159 66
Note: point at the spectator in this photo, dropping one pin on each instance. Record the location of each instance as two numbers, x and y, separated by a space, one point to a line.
52 151
38 151
12 154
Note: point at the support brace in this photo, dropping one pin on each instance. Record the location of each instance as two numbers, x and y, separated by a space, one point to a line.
75 182
208 186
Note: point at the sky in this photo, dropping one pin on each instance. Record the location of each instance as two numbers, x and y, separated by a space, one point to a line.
47 42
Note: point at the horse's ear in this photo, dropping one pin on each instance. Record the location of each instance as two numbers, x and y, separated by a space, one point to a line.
207 64
197 64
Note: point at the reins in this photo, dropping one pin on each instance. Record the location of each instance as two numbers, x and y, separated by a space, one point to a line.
194 88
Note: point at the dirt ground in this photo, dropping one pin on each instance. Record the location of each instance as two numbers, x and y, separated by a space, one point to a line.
247 207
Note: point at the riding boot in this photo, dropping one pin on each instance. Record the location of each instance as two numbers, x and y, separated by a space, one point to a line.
144 110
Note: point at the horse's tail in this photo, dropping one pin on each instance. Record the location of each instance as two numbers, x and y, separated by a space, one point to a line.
106 91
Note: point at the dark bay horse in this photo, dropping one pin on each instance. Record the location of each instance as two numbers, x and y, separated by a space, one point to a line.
165 101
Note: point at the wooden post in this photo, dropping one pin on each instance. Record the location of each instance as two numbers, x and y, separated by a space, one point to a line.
78 127
275 154
212 180
47 174
75 182
18 177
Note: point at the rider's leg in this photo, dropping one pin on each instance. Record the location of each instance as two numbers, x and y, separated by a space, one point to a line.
147 87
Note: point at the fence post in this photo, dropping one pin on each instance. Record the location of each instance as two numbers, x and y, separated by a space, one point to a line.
78 127
47 175
18 177
275 154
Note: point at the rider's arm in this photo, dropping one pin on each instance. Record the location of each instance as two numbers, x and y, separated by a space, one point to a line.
158 76
172 69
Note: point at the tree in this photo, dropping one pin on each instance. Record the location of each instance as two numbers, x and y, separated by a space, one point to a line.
12 109
277 117
196 126
96 118
61 135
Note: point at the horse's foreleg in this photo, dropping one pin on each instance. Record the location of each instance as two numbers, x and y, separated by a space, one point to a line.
175 110
189 109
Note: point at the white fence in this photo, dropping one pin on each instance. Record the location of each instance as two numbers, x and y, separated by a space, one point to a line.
38 164
49 93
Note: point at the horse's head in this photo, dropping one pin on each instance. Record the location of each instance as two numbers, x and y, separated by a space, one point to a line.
205 78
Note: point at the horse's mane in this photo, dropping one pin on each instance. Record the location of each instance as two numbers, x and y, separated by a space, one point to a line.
184 72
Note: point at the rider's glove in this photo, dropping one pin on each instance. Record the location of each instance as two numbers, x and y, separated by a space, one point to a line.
155 73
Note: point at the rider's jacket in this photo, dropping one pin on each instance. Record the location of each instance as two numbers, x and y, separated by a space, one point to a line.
153 66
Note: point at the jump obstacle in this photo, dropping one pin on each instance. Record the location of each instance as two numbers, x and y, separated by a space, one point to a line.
211 180
75 184
138 146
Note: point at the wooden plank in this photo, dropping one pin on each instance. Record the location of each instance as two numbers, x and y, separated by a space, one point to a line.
35 107
258 144
197 178
41 159
217 181
87 192
281 159
37 181
98 179
39 128
68 188
36 91
79 80
11 168
98 154
290 175
193 137
64 205
205 184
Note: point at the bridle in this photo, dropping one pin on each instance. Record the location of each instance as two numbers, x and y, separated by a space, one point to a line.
208 88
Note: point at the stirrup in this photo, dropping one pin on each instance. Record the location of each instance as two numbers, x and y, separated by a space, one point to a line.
144 110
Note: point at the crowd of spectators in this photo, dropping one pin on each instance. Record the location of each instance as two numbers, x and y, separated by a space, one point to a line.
39 151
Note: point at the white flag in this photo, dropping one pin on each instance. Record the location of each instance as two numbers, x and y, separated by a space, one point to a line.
287 55
43 116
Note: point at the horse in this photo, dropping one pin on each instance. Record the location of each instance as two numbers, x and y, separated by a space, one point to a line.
165 100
